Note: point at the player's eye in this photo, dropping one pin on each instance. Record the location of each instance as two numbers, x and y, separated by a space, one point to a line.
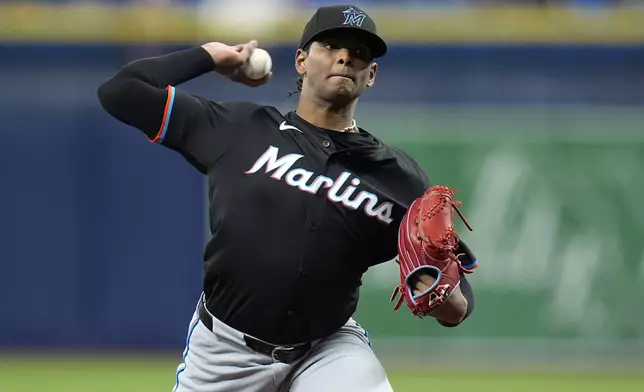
329 45
362 52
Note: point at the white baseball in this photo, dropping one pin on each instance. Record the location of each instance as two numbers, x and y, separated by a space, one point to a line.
259 64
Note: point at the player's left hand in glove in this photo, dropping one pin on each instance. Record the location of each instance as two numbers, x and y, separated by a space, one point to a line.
427 252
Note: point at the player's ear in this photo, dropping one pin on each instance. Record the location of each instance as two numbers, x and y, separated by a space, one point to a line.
372 74
300 61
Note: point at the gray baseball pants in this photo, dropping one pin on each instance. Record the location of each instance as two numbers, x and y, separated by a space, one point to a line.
220 361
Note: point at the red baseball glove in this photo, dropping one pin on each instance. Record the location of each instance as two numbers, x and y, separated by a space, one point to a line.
427 243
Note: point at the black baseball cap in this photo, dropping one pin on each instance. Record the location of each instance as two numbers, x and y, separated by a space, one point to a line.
341 17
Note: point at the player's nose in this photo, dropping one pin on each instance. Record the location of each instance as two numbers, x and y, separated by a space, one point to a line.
344 56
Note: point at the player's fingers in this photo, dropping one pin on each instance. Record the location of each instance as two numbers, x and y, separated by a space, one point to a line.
419 287
263 80
421 282
256 82
416 285
427 280
247 49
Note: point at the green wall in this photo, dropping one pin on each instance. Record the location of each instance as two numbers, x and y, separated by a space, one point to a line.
554 196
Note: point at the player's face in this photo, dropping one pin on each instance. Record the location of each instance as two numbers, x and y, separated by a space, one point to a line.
338 67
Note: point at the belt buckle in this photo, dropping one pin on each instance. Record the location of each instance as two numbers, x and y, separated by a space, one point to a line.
276 350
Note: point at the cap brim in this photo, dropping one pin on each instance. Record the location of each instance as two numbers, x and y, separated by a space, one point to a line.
376 44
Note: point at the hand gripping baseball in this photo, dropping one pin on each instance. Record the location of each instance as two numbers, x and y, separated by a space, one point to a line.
427 244
230 61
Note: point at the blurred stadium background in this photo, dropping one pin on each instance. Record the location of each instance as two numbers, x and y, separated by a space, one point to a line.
532 108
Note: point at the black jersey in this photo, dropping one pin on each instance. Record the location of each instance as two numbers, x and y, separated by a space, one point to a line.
297 213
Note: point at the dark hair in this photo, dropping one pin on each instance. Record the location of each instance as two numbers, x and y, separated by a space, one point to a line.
298 83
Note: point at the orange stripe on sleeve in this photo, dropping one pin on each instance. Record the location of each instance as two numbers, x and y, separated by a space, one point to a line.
163 129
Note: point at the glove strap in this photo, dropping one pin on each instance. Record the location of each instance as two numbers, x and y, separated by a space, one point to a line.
455 205
398 290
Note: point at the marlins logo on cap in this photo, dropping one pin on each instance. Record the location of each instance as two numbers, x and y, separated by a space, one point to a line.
352 17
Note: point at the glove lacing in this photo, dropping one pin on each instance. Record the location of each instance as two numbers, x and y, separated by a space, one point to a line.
449 233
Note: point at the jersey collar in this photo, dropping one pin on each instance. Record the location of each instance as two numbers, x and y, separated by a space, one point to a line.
362 144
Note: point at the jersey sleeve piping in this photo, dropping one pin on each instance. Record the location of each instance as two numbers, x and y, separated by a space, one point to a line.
167 113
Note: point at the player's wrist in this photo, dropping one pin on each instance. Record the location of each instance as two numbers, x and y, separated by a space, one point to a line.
453 311
208 58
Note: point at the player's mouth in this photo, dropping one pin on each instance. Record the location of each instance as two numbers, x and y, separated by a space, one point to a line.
342 76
